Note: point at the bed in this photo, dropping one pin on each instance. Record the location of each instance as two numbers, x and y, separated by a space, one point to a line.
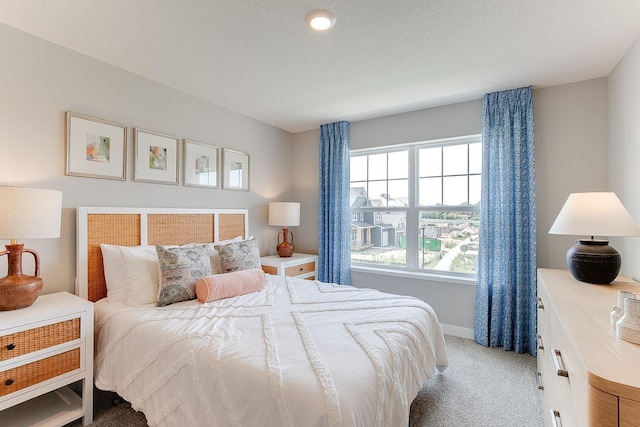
295 353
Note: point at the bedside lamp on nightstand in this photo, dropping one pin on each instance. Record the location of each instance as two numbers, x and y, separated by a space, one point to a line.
284 214
25 213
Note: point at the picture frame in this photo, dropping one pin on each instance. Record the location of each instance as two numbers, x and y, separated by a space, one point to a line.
235 169
200 164
96 148
156 157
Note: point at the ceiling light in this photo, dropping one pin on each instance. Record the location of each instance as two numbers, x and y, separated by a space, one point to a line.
321 19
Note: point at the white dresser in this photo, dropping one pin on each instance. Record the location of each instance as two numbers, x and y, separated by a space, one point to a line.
587 375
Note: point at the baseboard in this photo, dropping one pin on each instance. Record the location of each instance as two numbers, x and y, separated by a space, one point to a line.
457 331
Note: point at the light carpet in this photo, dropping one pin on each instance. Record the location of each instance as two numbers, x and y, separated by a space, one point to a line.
482 387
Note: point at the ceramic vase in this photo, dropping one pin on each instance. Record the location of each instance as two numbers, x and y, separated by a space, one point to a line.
618 311
628 327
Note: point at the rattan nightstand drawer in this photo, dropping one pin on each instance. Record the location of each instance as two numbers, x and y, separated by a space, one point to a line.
25 342
38 371
297 270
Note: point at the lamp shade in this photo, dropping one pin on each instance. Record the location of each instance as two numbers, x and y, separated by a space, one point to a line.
29 213
594 214
284 214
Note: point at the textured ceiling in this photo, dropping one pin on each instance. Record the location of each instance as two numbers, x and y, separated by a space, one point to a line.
382 57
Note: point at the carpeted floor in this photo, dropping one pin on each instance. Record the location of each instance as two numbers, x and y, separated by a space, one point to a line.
482 387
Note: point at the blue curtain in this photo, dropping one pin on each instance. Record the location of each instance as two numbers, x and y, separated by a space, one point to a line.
505 309
334 262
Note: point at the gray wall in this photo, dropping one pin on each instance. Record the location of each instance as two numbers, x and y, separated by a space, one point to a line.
624 151
40 81
571 155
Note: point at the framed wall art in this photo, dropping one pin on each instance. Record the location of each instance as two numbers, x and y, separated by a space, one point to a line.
96 148
235 167
156 157
200 164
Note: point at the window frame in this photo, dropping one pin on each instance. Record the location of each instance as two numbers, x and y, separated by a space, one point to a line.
412 211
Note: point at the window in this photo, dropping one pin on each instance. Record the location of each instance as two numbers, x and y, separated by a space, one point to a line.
417 206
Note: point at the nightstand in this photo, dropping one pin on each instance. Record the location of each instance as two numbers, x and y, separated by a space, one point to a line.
297 265
44 348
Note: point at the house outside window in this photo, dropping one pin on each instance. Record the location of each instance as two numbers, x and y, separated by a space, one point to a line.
418 206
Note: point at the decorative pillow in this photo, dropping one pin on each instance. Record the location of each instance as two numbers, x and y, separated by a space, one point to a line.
113 273
219 286
241 255
215 258
141 273
180 269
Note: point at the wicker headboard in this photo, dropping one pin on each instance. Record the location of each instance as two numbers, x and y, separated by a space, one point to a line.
145 226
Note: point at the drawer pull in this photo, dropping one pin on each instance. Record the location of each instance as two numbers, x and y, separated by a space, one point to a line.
11 346
555 418
540 303
558 363
539 380
540 343
9 381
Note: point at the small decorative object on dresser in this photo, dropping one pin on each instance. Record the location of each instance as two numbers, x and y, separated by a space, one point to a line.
298 265
618 310
284 214
628 327
25 213
45 348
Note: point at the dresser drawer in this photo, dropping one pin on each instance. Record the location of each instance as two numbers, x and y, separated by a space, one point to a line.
30 340
26 375
300 269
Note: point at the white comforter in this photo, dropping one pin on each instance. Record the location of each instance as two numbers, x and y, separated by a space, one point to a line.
297 353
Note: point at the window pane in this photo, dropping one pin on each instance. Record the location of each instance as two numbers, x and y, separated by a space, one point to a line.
430 192
448 241
454 159
399 192
399 164
454 190
380 239
475 158
430 161
377 193
474 190
358 168
378 166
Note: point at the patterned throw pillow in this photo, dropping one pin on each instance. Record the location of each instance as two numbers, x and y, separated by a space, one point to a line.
180 269
238 256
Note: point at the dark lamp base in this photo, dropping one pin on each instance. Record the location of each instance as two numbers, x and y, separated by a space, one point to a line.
593 261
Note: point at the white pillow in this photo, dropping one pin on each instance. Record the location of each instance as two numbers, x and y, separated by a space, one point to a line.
117 289
141 274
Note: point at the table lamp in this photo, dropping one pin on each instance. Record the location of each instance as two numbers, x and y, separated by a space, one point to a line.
25 213
594 214
284 214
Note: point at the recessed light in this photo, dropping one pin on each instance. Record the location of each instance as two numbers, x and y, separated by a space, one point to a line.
321 19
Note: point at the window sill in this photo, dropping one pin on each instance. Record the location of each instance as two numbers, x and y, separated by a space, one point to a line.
420 275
